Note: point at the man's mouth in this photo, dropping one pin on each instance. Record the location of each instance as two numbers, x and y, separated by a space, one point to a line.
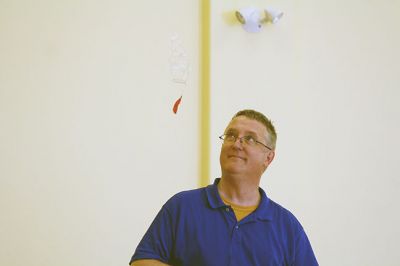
237 157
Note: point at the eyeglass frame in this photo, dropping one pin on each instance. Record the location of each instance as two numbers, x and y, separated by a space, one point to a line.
222 137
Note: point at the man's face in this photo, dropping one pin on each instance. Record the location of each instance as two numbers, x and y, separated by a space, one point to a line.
243 160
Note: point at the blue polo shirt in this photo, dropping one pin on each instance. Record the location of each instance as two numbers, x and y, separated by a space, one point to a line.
196 228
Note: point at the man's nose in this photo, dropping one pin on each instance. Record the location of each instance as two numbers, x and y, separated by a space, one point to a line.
238 142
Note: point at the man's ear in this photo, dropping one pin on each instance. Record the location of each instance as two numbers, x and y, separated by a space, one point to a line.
270 157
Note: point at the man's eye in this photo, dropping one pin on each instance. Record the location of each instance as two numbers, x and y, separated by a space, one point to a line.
230 136
250 139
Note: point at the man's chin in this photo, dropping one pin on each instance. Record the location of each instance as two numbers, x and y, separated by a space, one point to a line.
235 168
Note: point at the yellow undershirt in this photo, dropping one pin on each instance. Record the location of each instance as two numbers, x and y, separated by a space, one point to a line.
240 211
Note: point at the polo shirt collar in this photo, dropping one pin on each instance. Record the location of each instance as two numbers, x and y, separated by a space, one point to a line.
264 210
214 199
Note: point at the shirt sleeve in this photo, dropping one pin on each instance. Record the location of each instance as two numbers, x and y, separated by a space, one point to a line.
304 255
158 241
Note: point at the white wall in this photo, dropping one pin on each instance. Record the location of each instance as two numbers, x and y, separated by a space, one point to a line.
89 145
328 76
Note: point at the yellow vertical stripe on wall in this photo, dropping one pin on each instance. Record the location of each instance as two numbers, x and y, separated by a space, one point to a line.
204 79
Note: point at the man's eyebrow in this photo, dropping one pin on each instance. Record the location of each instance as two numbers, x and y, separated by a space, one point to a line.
252 133
231 130
247 132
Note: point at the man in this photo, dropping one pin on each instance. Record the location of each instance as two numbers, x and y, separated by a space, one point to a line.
231 222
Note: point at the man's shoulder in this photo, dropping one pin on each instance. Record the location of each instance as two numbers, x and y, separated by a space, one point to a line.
186 197
283 215
188 194
279 209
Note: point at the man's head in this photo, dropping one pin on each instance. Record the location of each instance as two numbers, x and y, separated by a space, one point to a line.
248 147
252 114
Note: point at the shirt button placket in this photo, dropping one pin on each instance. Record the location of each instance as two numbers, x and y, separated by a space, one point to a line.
237 235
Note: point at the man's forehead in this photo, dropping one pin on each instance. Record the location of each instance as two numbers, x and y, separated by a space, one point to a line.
246 124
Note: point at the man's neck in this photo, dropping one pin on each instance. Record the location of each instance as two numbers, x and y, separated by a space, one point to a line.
238 191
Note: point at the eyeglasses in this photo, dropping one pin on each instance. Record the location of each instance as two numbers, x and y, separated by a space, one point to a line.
246 140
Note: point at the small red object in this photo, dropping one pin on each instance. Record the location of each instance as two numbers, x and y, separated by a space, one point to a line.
176 105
